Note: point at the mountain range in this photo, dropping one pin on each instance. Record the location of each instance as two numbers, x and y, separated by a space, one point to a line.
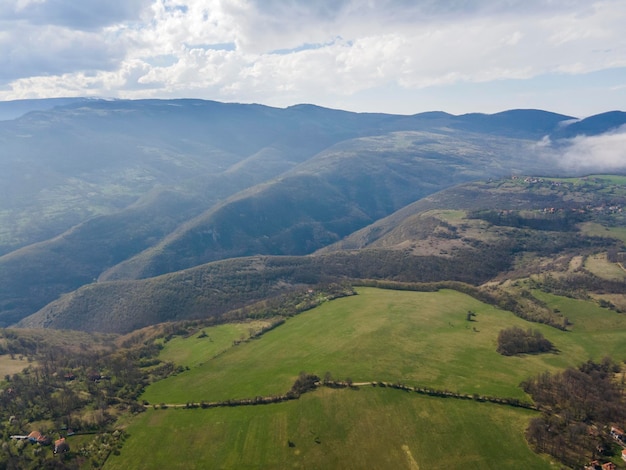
114 195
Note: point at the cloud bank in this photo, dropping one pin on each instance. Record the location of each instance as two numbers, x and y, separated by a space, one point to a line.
282 53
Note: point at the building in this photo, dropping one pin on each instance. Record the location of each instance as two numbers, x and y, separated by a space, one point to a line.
60 446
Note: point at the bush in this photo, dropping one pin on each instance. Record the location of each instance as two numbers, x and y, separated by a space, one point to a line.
304 383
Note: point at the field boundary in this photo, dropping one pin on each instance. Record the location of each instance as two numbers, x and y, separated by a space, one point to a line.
267 400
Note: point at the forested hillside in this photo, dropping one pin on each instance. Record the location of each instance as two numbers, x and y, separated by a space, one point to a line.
94 189
499 230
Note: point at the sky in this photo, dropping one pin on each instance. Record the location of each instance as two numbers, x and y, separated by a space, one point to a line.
394 56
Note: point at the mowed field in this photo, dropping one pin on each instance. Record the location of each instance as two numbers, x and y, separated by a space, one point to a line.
374 428
416 338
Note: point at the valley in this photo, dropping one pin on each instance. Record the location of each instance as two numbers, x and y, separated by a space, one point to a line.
240 286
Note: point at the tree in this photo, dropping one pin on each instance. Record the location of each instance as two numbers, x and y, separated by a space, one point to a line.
328 378
304 383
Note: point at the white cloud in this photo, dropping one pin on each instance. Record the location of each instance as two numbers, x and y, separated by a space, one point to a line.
52 50
605 152
281 52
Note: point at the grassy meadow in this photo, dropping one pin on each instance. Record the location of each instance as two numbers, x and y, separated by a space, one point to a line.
10 366
604 269
196 350
595 332
597 230
417 338
349 429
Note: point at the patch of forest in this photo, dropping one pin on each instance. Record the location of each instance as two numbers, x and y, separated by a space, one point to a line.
66 392
516 340
579 285
580 406
551 220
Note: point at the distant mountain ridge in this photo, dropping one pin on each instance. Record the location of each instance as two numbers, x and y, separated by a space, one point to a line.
17 108
105 190
593 125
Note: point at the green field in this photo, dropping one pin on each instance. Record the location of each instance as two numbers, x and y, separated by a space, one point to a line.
349 429
596 332
196 350
601 267
597 230
417 338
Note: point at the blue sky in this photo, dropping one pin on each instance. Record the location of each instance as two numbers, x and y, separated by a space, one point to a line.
395 56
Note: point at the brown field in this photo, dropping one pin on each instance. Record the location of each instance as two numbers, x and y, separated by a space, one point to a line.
10 366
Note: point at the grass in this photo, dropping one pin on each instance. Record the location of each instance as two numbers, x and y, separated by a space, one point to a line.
596 332
417 338
593 179
347 429
598 230
196 350
447 215
10 366
601 267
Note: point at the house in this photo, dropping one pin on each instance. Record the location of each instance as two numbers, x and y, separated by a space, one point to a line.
618 434
36 437
60 446
624 454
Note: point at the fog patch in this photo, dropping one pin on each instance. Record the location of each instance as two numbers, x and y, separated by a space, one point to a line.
598 153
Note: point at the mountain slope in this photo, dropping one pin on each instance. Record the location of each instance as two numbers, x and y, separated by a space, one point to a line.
503 222
593 125
519 123
64 165
14 109
512 195
70 179
76 183
324 199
